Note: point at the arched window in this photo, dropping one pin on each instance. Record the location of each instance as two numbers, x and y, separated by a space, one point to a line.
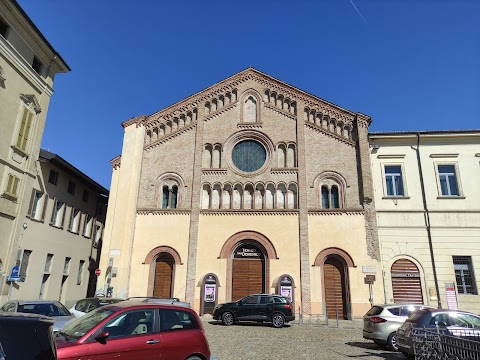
168 191
325 202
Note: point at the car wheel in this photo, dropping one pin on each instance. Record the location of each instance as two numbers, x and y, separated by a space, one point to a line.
194 358
227 318
392 341
278 320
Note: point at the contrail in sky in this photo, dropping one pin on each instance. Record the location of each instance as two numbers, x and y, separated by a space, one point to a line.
358 11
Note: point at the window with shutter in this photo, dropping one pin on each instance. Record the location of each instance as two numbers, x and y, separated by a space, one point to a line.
12 185
24 131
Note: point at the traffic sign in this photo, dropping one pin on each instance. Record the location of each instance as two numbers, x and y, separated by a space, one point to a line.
97 272
14 278
15 271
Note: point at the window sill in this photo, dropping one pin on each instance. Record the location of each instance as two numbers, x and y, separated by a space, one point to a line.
450 197
19 151
10 197
396 197
72 232
36 220
57 227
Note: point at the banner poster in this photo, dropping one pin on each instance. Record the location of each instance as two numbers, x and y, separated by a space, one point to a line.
451 296
210 292
286 291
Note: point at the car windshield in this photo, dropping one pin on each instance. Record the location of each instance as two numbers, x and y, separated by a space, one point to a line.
375 310
79 327
46 309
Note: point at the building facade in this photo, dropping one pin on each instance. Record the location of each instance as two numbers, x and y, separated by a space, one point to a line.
427 198
61 237
248 186
28 64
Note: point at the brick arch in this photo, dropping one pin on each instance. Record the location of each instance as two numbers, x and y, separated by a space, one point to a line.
235 239
322 256
150 258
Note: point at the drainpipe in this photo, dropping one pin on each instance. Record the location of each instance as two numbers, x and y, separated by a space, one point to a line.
427 221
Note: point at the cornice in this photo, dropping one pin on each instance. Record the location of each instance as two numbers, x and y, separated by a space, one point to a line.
20 64
116 162
334 212
281 111
363 120
214 171
231 83
333 135
169 136
145 211
284 171
138 120
244 212
220 111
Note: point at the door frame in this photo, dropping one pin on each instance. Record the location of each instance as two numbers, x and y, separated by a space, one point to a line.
151 259
252 237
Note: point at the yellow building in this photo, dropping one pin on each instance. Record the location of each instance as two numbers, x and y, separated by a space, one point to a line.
28 65
427 198
248 186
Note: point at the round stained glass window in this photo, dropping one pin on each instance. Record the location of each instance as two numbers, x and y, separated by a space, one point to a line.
249 155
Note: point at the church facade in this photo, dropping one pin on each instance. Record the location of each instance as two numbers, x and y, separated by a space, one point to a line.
249 186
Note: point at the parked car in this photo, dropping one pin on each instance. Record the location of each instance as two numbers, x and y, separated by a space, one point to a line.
270 308
135 330
81 307
159 300
26 336
50 308
381 322
450 322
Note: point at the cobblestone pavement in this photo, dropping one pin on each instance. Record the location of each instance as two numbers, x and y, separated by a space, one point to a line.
304 342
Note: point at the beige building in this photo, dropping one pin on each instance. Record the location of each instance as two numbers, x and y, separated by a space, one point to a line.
248 186
28 64
427 197
61 237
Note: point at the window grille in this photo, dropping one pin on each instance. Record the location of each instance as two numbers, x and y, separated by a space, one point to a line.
464 275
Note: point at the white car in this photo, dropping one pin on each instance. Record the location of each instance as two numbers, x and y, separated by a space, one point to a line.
81 307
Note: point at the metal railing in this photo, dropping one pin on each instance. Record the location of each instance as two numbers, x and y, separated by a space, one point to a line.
457 344
323 320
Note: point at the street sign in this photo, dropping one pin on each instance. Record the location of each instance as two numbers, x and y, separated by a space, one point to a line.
15 271
97 272
14 278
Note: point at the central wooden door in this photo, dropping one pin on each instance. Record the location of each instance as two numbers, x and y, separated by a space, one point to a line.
162 285
335 288
248 271
247 278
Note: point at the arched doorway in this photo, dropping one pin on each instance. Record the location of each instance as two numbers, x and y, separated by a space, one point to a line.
248 270
163 279
335 286
406 284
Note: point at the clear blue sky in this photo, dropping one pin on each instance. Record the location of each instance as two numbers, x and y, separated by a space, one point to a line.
409 64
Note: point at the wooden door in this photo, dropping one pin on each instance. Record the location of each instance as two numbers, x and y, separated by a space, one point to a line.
247 278
406 284
335 295
162 286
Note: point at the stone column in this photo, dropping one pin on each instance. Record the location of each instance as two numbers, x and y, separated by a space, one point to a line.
303 212
195 207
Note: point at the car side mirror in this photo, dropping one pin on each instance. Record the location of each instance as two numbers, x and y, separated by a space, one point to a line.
102 337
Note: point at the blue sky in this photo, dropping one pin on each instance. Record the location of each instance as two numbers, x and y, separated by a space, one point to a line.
409 64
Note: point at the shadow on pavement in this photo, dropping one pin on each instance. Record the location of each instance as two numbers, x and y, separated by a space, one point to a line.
371 346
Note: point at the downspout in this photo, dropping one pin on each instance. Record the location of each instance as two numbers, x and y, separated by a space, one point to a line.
427 221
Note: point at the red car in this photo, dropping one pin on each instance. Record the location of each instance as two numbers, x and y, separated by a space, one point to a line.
132 330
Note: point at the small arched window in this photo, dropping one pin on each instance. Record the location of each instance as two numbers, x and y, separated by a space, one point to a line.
331 190
168 191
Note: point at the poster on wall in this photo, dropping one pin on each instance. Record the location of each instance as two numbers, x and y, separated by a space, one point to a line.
451 296
210 292
286 291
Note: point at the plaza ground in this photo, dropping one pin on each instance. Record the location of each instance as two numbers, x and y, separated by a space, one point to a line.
306 342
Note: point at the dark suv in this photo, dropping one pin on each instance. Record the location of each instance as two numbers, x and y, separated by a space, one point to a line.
275 309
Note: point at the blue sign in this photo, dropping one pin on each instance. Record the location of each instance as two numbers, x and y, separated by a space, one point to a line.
15 271
14 278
